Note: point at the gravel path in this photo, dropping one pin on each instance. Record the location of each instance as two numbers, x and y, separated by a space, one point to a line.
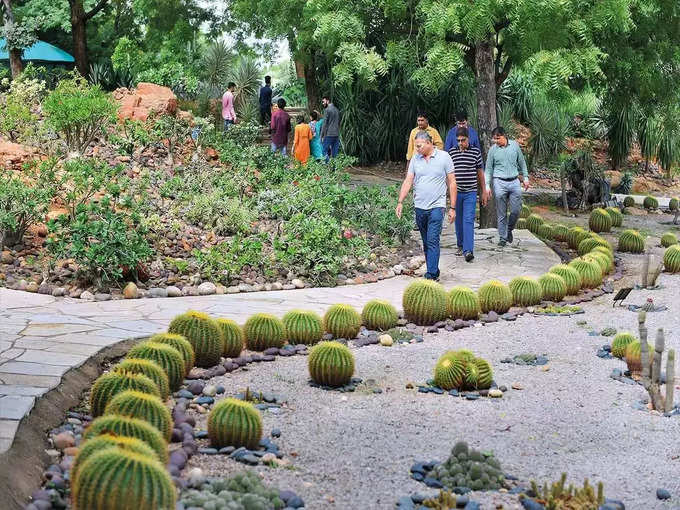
353 451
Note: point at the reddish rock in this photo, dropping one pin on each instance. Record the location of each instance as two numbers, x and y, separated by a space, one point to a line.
139 103
63 440
211 153
13 155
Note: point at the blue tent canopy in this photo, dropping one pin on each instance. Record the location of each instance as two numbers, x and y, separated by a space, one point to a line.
40 51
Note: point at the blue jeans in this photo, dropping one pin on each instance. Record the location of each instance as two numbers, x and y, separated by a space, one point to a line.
507 193
331 144
227 123
429 223
282 148
465 220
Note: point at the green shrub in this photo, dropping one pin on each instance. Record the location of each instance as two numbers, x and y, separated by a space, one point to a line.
21 205
224 215
462 303
342 321
136 404
331 364
379 314
233 336
233 422
263 331
303 327
168 358
18 120
204 335
129 427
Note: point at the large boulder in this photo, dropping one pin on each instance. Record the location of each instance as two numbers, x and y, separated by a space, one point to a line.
139 103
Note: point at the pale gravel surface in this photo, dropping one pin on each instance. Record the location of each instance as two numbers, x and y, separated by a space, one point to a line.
356 453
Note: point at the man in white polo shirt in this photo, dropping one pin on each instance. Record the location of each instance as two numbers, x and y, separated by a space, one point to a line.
430 172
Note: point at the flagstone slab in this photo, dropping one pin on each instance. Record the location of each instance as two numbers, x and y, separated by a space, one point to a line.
14 407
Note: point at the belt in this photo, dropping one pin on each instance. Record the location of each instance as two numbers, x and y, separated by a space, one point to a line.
507 179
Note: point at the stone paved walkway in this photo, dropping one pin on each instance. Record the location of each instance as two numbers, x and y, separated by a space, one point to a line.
42 337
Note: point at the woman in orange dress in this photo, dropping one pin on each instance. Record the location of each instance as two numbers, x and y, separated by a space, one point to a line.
303 135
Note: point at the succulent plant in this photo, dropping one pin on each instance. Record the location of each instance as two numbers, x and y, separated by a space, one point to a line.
591 274
673 204
631 241
467 467
263 331
129 427
587 245
554 287
136 404
575 236
484 374
424 302
115 479
601 259
181 344
571 277
449 371
534 221
620 344
379 314
232 336
650 203
331 364
545 231
495 296
471 377
342 321
242 491
634 359
462 303
525 212
560 232
616 216
303 327
629 202
150 369
668 239
234 422
204 335
600 220
108 441
671 259
109 385
525 291
607 255
521 224
169 359
562 497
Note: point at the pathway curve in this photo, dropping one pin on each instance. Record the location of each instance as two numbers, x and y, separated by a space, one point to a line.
42 337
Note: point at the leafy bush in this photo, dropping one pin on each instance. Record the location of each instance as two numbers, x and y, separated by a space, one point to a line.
222 214
21 205
78 112
18 119
227 259
131 136
172 128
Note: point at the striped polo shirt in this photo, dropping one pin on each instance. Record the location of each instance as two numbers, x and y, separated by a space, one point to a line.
465 164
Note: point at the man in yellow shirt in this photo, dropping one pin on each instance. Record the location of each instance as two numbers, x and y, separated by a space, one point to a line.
423 125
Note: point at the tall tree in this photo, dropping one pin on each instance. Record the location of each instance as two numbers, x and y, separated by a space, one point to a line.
14 49
79 19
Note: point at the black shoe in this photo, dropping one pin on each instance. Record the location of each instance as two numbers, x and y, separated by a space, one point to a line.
459 252
509 236
469 257
502 243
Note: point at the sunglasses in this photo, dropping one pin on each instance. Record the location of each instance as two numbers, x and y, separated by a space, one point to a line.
461 139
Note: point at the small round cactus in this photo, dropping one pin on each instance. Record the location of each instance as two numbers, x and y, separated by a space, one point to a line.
303 327
379 314
169 359
233 337
560 232
525 212
587 245
673 204
462 303
484 373
616 216
545 231
525 291
601 250
591 274
600 220
521 224
449 371
671 259
331 364
495 296
554 287
115 479
149 368
342 321
109 385
575 236
135 404
668 239
263 331
424 302
129 427
233 422
181 344
204 335
650 203
471 377
534 221
571 277
634 357
620 344
629 201
631 241
601 260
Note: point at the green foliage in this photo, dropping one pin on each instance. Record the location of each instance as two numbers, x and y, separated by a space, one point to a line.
671 259
525 291
115 479
379 314
342 321
181 344
331 364
18 120
462 303
591 274
148 368
233 336
167 357
120 426
227 259
554 287
303 327
571 277
111 384
549 130
78 112
495 296
21 205
620 344
631 241
204 335
424 302
650 203
224 215
534 221
600 221
136 404
616 216
263 331
560 496
233 422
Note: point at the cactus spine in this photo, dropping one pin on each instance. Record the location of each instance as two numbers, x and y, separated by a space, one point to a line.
233 337
380 315
463 303
495 296
668 239
129 427
204 335
525 291
263 331
545 231
342 321
181 344
575 236
525 212
303 327
169 359
109 385
462 370
560 232
424 302
233 422
150 369
616 216
331 364
135 404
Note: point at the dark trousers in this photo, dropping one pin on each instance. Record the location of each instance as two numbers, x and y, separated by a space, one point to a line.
429 222
265 115
330 144
466 205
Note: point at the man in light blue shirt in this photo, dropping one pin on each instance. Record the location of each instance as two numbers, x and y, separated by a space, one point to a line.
430 172
504 162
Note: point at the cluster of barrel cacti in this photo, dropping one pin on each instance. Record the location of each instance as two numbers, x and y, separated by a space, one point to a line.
461 370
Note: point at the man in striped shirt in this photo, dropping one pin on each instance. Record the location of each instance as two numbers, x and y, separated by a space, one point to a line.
469 170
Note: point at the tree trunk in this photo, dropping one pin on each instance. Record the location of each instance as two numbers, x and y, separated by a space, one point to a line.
311 84
79 34
485 74
15 63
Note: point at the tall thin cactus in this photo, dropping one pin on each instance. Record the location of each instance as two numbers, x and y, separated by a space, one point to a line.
651 367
